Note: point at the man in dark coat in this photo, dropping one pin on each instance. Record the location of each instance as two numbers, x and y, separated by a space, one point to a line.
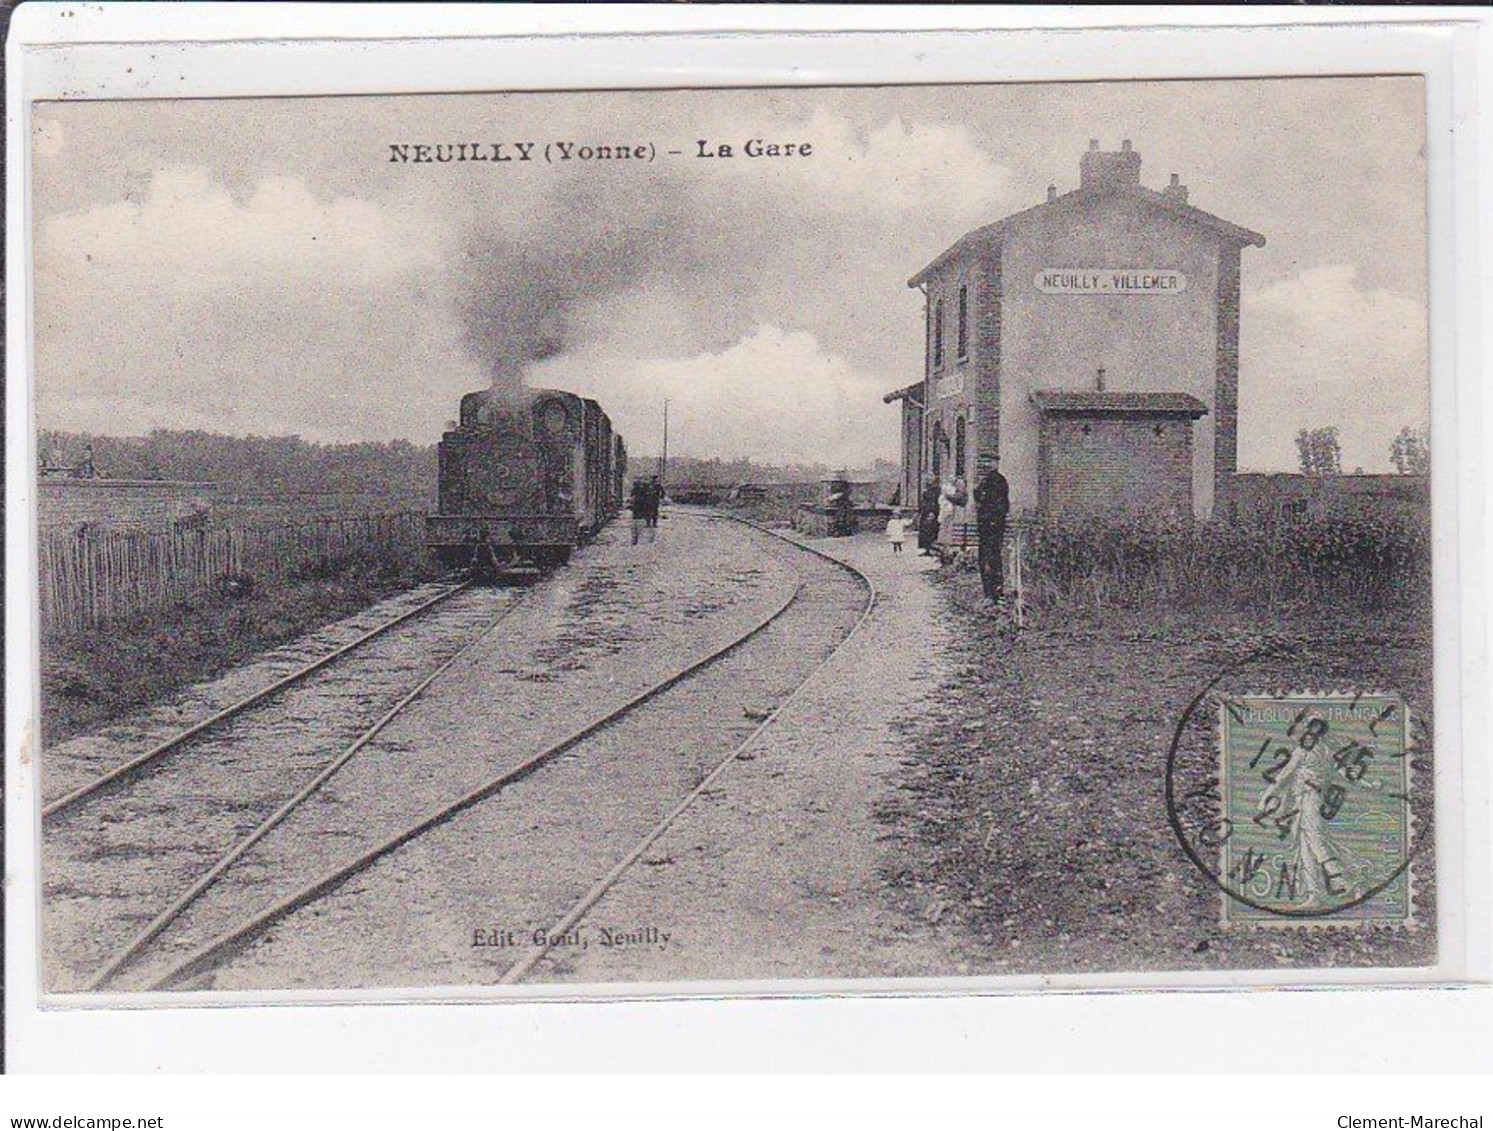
655 500
992 505
928 518
639 507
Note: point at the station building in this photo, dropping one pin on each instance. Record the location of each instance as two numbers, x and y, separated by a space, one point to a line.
1092 342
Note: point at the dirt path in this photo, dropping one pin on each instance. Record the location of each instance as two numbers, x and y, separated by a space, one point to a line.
781 872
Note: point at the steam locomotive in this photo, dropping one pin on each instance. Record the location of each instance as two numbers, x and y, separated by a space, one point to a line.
534 474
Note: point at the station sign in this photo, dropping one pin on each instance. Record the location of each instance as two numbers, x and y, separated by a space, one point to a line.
950 386
1110 281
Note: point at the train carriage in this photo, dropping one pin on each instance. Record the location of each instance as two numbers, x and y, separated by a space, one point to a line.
534 473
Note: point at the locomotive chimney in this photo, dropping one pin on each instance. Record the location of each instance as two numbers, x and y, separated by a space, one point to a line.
507 380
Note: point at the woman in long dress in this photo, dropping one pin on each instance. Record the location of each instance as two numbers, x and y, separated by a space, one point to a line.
928 503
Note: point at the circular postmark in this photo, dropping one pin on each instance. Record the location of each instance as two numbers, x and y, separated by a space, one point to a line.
1295 805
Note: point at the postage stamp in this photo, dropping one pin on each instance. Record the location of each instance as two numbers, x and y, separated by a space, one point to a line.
1316 822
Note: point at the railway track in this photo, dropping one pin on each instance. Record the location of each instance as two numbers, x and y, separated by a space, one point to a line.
157 750
205 938
200 797
578 910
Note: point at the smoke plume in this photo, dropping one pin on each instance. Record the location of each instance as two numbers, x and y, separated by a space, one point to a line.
530 292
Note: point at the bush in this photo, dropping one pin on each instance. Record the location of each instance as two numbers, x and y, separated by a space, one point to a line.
1370 561
236 585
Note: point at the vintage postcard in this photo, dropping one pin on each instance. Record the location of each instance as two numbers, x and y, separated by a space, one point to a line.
875 535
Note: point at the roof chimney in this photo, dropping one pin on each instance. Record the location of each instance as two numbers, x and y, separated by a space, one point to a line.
1099 379
1052 192
1100 171
1176 190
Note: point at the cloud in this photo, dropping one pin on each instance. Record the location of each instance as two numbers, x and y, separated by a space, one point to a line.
281 312
775 394
929 172
717 244
190 230
281 309
1320 349
184 278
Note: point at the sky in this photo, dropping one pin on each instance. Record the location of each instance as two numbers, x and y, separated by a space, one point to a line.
261 266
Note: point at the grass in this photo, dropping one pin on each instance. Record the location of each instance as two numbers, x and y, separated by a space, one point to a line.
1366 560
1032 807
90 679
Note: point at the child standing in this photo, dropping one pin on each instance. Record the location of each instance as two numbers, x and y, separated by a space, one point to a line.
896 530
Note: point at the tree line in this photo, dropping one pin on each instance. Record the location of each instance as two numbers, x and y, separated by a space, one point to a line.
250 464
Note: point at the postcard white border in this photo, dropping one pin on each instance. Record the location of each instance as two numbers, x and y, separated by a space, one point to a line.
206 51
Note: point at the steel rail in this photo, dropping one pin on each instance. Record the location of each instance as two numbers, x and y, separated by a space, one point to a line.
88 789
579 909
123 957
206 956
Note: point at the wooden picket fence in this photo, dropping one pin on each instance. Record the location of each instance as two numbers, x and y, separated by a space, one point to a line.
97 576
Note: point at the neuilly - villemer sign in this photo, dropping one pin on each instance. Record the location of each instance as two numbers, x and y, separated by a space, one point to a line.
1110 281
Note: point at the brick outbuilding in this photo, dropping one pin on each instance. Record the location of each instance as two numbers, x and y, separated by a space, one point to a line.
1092 342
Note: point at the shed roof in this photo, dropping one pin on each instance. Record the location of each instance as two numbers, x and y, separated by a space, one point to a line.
1159 201
1095 403
909 392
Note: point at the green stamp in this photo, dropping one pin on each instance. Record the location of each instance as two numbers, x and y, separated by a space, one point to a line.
1316 819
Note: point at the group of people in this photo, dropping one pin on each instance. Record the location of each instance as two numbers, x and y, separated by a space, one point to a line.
647 498
992 507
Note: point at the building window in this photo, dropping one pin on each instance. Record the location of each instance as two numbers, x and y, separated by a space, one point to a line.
937 453
938 334
959 436
963 321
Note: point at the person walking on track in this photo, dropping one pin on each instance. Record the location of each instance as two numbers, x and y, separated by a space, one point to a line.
992 505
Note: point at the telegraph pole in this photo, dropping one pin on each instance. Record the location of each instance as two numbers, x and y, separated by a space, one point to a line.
663 460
